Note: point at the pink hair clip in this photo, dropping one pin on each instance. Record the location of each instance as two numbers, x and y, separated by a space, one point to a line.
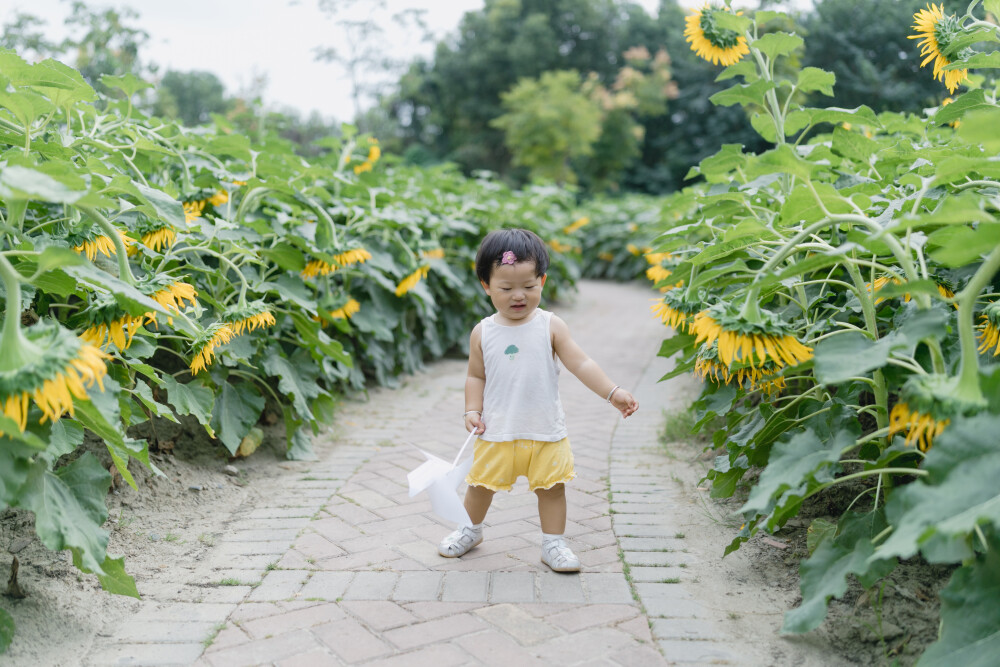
509 258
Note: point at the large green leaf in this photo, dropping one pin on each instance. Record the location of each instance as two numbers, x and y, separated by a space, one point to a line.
193 398
814 79
824 574
958 494
69 508
778 43
970 615
237 409
21 182
114 579
291 382
745 94
949 113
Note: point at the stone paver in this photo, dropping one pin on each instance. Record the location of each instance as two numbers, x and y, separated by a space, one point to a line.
336 565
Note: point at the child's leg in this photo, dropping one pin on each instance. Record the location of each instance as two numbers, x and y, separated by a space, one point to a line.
551 509
552 515
458 543
477 502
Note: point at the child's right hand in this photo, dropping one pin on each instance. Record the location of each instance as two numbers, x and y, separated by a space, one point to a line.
474 422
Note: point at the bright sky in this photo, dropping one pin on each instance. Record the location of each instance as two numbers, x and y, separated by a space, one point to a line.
238 39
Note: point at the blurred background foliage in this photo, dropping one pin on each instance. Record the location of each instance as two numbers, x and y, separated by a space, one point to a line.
597 93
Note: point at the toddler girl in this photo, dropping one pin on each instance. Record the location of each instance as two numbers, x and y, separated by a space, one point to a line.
512 395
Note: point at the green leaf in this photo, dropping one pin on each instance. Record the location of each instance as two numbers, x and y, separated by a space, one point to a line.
93 419
970 615
853 145
774 44
814 79
980 127
16 460
958 494
675 343
69 508
796 463
115 580
128 83
958 246
764 125
719 250
835 116
286 256
976 61
730 21
748 93
64 437
993 7
974 99
824 575
744 68
290 382
162 206
7 629
782 159
719 166
237 409
193 398
313 336
853 354
128 297
20 183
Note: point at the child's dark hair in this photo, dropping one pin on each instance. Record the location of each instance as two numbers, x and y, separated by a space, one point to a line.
525 245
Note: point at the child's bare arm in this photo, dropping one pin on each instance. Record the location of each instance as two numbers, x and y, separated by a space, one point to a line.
475 383
586 369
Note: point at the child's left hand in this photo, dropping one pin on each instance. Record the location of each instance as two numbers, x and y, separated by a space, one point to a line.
624 402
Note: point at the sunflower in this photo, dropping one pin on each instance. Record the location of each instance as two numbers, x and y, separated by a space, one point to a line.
658 274
606 256
436 253
920 429
363 167
410 281
765 378
219 198
317 267
219 333
193 210
750 343
248 317
90 244
576 224
170 294
712 43
109 323
159 239
62 367
944 290
990 334
346 311
658 257
353 256
936 32
374 153
675 311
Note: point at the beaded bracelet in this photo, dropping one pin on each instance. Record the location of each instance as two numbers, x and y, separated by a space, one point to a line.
612 392
469 412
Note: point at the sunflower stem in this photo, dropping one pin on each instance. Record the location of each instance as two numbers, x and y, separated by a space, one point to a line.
121 252
968 388
15 349
879 388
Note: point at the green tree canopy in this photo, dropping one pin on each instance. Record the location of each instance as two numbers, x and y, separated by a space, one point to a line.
548 122
190 96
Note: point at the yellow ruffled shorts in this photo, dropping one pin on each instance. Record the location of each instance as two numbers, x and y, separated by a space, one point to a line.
495 465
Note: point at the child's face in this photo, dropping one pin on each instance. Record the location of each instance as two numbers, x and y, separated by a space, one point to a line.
515 290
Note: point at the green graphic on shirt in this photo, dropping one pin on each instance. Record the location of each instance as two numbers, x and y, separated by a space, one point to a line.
511 351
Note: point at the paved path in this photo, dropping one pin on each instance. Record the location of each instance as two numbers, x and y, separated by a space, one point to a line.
340 567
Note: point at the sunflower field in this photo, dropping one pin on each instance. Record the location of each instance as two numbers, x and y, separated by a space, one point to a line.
839 294
156 272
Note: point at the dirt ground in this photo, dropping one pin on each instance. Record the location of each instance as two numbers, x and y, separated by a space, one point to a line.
887 626
170 523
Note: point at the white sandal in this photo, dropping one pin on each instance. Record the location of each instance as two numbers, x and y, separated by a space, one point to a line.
560 557
460 542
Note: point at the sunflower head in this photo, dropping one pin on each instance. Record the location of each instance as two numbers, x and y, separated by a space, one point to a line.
676 311
193 210
168 292
717 45
204 346
576 224
353 256
926 405
749 343
342 309
219 198
107 323
62 370
989 334
937 33
91 241
410 281
248 317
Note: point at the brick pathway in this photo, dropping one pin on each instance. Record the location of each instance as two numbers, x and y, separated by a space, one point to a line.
340 566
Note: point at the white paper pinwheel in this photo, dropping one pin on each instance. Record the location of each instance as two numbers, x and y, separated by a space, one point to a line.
441 479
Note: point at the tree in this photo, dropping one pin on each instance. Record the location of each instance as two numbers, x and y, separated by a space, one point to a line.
549 121
190 96
104 42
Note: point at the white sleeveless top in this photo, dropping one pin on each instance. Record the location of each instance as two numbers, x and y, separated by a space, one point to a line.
521 399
